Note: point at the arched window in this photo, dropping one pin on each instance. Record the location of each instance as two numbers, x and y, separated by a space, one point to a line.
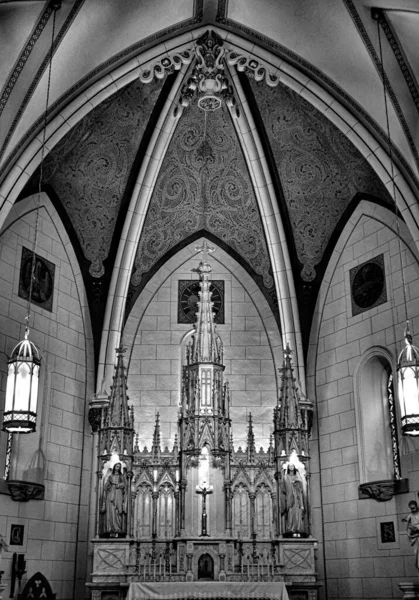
166 513
263 509
241 509
376 418
143 511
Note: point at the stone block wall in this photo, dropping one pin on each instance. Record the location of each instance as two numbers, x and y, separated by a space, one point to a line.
358 564
251 341
55 528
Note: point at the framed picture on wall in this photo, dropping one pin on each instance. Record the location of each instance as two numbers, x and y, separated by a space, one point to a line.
42 292
368 285
188 300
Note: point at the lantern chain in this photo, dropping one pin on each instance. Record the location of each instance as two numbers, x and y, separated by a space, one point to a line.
35 242
390 151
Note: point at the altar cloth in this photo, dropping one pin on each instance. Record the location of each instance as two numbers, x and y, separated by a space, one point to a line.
200 590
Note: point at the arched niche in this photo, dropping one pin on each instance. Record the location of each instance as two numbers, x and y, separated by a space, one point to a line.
375 417
205 567
145 343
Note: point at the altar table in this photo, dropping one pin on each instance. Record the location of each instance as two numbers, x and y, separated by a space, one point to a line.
207 590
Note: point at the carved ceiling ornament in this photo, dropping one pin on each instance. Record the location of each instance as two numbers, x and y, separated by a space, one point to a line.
208 79
203 184
319 168
89 167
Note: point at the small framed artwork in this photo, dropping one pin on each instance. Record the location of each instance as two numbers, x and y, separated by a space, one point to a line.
188 296
16 535
368 285
387 533
42 291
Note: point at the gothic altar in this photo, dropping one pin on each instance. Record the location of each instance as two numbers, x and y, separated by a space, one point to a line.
202 515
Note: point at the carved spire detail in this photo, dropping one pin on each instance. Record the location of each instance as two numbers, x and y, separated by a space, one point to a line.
292 416
156 448
289 396
116 432
206 346
251 448
119 414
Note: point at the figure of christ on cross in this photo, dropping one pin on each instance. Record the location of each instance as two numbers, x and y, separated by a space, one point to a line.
204 490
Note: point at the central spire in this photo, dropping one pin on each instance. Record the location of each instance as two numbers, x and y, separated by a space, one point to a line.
206 345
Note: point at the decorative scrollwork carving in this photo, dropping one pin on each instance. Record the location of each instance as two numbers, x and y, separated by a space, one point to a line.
168 64
254 68
208 79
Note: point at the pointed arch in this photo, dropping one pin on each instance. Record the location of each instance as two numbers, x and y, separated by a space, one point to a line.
241 511
290 76
364 208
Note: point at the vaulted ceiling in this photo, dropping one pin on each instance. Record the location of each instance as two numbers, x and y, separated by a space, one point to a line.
204 184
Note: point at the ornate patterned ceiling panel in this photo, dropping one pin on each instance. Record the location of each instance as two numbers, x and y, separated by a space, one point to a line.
319 168
203 184
89 168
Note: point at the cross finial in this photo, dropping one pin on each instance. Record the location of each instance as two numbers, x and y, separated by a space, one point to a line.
205 249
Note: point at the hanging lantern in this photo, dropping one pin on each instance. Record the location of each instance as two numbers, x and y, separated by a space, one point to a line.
408 385
22 388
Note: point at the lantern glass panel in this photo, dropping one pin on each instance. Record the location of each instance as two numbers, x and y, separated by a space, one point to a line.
10 387
34 392
408 390
23 387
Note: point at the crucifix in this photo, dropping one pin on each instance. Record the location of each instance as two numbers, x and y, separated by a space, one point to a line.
204 490
205 249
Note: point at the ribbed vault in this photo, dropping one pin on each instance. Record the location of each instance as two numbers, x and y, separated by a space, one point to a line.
203 185
88 170
319 169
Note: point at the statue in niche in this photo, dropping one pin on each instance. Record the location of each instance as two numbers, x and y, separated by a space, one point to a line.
114 504
413 529
293 501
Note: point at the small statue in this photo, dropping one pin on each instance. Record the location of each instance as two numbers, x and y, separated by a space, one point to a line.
412 521
293 495
114 505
